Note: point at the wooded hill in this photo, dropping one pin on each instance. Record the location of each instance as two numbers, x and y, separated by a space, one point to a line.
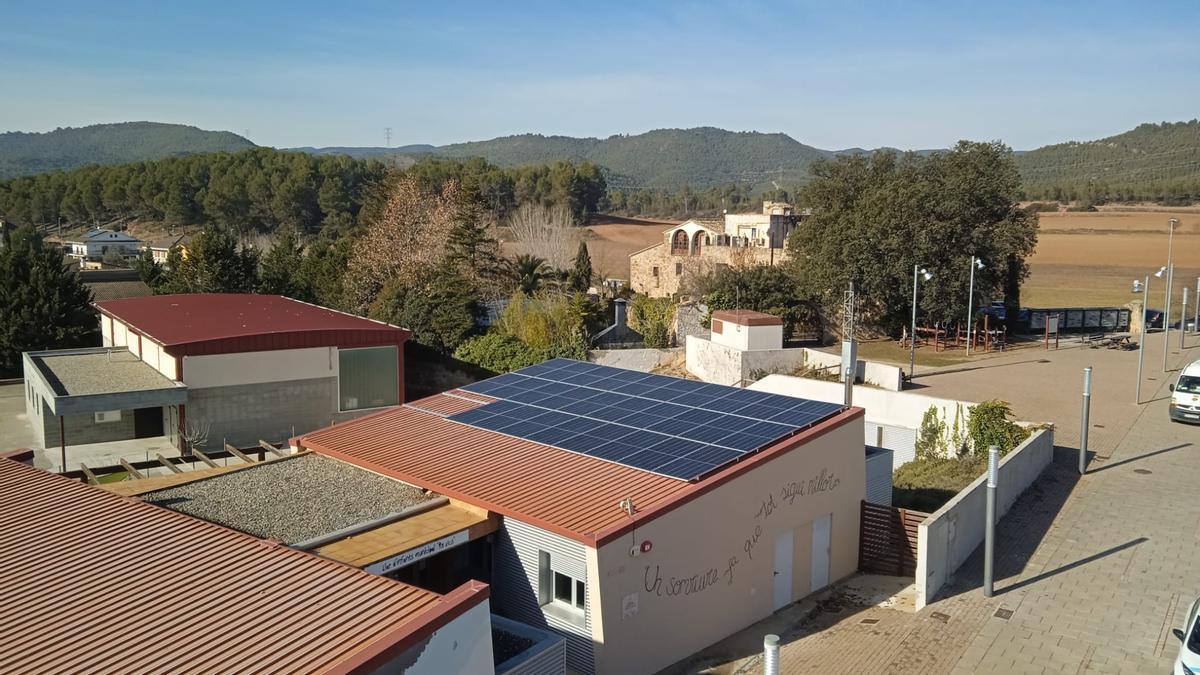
1159 162
23 154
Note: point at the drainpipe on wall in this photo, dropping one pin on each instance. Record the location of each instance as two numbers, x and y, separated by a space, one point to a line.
771 655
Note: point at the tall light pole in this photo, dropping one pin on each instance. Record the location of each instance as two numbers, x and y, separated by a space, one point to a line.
1170 278
1137 397
912 337
976 263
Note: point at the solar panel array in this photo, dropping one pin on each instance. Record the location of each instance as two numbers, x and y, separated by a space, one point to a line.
667 425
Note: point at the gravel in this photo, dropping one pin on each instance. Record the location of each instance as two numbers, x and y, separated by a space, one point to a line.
292 499
100 372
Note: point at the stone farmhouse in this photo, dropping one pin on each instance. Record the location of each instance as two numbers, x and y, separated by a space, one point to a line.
698 247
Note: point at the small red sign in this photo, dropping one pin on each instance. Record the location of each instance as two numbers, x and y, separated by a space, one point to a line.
646 546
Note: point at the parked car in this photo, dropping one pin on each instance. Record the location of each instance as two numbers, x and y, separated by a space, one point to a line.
1187 661
1185 395
996 310
1154 319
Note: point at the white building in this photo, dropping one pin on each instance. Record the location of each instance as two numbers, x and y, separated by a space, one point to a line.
95 244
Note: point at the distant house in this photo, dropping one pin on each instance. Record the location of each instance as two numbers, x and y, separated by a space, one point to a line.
93 245
701 246
160 249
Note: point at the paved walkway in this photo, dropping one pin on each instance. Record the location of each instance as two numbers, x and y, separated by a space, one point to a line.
1092 572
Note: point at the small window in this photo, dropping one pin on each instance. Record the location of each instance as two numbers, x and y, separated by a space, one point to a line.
108 416
558 591
654 271
678 269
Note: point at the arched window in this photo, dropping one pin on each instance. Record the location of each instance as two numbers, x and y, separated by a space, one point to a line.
698 242
679 243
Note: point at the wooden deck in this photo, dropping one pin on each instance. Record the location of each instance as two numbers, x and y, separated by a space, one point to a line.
383 542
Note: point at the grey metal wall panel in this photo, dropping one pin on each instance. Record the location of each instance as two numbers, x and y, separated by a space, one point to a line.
515 585
879 478
902 441
244 414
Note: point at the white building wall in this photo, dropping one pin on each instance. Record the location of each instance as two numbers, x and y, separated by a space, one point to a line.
106 330
462 646
223 370
120 334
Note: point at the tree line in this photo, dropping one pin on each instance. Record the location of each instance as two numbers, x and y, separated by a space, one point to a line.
262 190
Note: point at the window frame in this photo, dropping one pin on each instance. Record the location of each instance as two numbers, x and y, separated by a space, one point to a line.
573 610
340 350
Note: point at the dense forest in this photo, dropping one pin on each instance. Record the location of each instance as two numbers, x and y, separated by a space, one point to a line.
23 154
260 190
1154 162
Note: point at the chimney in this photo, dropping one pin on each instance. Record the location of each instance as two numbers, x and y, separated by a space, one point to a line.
619 312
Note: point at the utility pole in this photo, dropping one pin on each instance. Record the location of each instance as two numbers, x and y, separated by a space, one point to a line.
912 337
387 134
1083 431
1137 398
1196 302
975 262
989 532
1183 317
1171 223
849 346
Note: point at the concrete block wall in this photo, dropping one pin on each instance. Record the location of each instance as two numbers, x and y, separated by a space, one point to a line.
244 414
81 429
948 536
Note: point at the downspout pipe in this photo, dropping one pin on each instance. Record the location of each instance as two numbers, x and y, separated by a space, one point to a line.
413 510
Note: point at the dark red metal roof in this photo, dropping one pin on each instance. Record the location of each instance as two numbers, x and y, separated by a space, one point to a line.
570 494
94 581
215 323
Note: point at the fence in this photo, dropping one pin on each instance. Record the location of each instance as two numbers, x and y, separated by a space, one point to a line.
887 540
949 536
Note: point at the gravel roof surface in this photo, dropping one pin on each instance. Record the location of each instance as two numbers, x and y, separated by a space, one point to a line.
292 499
100 373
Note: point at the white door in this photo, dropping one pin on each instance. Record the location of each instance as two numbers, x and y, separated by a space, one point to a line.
820 552
784 548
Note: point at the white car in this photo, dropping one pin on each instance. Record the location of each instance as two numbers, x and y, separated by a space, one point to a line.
1188 660
1185 395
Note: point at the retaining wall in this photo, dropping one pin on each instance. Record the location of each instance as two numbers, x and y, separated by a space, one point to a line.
948 536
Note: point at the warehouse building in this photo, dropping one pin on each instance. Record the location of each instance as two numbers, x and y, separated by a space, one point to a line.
99 582
642 517
211 369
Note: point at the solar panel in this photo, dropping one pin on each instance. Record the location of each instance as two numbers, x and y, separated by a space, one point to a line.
670 426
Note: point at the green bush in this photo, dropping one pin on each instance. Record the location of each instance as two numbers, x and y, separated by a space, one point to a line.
498 352
926 484
930 437
652 317
991 424
1043 207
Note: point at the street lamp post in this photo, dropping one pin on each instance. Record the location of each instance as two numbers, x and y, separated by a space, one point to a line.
1170 278
1137 397
912 336
975 263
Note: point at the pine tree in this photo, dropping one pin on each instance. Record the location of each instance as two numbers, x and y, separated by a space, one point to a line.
580 278
281 267
43 304
214 263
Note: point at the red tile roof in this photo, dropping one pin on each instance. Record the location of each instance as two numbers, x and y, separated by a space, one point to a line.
92 581
570 494
747 317
197 319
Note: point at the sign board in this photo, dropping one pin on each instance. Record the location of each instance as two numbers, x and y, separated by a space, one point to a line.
1052 324
421 552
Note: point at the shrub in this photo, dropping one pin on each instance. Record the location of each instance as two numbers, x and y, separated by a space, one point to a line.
652 317
1042 207
991 424
931 436
498 352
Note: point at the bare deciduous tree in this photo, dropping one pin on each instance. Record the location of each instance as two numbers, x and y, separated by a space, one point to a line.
548 233
195 434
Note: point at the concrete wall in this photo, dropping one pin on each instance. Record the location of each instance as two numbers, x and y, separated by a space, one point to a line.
892 408
462 646
284 365
81 429
274 411
742 337
644 360
547 656
711 568
720 364
951 534
880 375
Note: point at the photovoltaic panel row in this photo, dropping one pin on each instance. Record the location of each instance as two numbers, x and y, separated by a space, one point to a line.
675 427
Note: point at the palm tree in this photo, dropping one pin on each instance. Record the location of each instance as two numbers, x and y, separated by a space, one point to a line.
530 271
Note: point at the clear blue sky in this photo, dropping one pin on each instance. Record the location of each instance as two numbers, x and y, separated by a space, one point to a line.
831 74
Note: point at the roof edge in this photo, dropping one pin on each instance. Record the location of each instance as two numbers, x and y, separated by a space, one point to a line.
396 641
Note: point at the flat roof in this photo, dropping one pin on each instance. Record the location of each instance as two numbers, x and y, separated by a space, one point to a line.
97 581
291 500
172 320
86 372
378 543
747 317
573 495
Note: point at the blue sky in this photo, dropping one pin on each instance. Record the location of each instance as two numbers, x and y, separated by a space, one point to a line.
830 74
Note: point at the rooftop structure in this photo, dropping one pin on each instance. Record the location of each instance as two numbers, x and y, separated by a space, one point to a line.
102 370
94 581
206 323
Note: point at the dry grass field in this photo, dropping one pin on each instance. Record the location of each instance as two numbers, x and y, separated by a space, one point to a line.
1081 258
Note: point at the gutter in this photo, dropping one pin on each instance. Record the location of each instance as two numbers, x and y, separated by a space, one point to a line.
317 542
